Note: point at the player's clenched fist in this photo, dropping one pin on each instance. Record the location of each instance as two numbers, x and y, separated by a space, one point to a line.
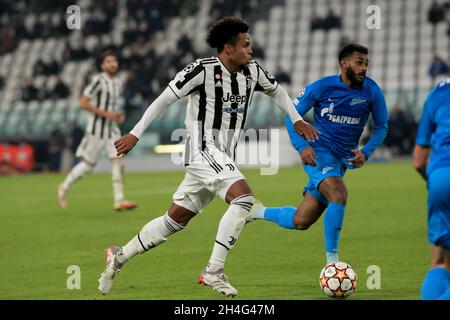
303 128
308 156
125 144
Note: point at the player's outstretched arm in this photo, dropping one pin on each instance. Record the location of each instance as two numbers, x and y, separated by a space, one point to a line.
305 129
302 127
128 141
426 129
380 118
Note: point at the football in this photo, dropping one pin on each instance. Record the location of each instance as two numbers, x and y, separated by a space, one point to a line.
338 280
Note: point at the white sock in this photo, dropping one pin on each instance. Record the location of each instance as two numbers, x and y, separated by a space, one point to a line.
117 180
151 235
230 227
76 173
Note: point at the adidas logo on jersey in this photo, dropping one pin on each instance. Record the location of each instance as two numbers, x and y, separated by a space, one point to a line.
218 84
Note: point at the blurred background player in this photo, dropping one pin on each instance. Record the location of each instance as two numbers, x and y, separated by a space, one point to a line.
220 90
102 99
342 105
431 158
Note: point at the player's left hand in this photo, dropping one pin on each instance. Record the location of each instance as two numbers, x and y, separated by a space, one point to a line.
359 159
303 128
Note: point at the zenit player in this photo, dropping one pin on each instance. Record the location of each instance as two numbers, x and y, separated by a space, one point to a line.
431 159
342 105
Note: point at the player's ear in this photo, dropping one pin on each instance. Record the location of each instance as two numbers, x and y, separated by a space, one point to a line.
227 48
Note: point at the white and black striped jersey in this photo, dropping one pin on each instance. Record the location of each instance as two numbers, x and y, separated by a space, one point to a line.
218 102
104 93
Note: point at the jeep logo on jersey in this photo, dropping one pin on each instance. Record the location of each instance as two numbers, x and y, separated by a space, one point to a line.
234 98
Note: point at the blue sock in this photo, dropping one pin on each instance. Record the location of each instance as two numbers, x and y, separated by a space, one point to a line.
436 282
283 216
334 218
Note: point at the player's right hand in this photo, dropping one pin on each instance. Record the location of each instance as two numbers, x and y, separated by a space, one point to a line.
125 144
308 155
305 129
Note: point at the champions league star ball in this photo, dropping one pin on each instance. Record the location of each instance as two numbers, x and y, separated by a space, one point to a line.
338 280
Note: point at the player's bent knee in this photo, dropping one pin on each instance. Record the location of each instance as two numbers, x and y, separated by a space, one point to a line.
86 167
301 224
180 215
339 197
244 203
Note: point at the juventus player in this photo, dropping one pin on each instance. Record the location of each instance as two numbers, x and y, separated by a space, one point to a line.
102 99
220 90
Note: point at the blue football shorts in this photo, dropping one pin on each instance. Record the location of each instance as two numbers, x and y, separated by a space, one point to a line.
327 166
439 207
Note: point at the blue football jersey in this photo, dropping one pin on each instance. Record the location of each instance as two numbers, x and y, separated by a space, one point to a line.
434 126
340 114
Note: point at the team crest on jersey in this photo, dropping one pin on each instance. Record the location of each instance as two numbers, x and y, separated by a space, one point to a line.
357 101
249 82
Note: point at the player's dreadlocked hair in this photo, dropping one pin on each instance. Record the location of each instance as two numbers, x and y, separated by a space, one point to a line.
225 31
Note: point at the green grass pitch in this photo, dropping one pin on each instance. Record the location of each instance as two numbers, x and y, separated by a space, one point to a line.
385 225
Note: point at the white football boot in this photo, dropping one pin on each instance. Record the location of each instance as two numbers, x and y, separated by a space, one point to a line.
112 268
218 281
61 198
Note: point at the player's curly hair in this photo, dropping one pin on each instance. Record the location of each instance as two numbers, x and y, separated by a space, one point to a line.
225 31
